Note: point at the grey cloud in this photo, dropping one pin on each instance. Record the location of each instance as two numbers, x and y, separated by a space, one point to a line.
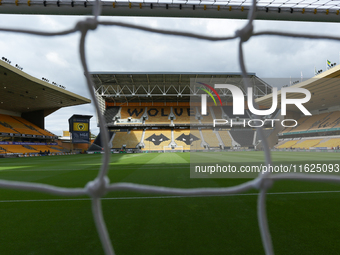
118 49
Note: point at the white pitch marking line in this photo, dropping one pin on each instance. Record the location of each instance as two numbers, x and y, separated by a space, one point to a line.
162 197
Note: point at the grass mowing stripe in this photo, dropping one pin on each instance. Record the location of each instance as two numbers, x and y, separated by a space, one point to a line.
300 222
65 169
10 168
161 197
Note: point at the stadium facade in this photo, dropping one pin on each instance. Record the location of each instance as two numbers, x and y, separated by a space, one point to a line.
25 101
160 112
148 112
321 130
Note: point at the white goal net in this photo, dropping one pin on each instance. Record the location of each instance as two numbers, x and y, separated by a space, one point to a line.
101 184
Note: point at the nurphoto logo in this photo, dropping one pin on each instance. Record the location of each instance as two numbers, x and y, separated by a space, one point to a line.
238 105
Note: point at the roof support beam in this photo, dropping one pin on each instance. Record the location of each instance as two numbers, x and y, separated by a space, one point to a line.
238 9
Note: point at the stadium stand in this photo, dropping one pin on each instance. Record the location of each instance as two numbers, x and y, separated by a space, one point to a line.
131 112
34 127
20 125
23 110
309 122
183 115
168 103
97 143
266 132
158 115
129 140
207 118
280 142
329 143
218 112
226 139
306 143
196 144
19 149
195 113
156 139
183 138
31 149
210 138
43 148
29 139
287 144
321 122
17 125
57 147
243 137
2 150
300 123
110 113
316 122
329 121
5 128
228 110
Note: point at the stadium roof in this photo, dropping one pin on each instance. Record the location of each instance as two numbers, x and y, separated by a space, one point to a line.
302 10
324 89
122 87
20 92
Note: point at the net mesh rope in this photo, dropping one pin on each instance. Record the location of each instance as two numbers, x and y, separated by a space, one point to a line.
101 185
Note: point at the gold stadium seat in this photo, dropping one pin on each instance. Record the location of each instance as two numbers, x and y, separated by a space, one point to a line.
287 144
210 138
226 139
184 114
196 145
331 143
20 125
306 144
131 140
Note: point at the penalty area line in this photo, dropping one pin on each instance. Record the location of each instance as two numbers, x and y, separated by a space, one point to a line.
167 197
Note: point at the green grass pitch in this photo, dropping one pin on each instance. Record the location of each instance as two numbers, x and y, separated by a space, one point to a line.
301 221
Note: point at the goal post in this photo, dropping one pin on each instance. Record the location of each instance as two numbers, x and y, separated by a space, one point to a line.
173 148
101 184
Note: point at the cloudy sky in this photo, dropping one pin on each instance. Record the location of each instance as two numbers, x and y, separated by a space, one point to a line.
120 49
